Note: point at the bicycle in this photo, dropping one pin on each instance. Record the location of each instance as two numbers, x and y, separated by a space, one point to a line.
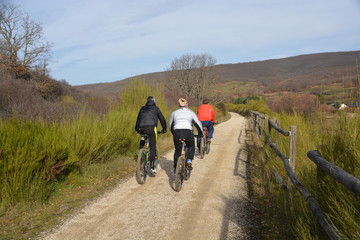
143 161
183 171
204 144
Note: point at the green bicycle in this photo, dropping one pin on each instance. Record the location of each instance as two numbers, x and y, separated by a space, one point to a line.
143 161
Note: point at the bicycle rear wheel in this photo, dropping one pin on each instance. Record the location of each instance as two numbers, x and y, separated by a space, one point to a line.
202 148
207 149
141 167
179 176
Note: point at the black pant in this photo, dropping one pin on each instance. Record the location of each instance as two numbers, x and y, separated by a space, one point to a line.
151 133
190 144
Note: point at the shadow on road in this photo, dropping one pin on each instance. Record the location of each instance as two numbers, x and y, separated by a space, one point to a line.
239 211
168 166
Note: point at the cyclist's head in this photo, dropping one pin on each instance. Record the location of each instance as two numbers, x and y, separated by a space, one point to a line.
150 100
206 101
183 102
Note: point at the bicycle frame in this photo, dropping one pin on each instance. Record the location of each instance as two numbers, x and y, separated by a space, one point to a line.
146 146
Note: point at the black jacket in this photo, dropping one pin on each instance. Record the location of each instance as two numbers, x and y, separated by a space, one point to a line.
149 116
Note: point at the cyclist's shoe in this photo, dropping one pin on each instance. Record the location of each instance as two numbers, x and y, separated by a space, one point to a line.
174 171
153 170
189 164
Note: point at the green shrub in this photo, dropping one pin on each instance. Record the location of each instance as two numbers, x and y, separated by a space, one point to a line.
35 153
252 105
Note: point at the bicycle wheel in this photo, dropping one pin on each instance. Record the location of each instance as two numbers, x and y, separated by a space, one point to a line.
179 176
207 148
202 148
187 173
141 167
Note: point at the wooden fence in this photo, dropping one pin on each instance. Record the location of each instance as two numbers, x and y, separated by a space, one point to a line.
261 123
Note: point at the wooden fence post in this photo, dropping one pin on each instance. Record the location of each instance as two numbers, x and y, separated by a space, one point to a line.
292 151
260 125
278 123
266 122
252 118
274 121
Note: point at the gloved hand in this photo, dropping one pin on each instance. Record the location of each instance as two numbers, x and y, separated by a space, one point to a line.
164 131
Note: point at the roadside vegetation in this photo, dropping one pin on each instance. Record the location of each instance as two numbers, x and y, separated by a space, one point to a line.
49 168
60 148
285 215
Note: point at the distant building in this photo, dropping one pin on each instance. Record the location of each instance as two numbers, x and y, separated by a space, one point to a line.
343 106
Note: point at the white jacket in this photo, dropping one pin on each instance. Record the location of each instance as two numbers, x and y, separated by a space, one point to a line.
184 118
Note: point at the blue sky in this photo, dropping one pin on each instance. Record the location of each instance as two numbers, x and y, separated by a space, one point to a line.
109 40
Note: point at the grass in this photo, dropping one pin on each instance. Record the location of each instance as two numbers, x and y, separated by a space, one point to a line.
52 170
49 169
338 140
230 89
27 220
336 92
269 219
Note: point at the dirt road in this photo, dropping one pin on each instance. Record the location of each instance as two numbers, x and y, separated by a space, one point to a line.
211 204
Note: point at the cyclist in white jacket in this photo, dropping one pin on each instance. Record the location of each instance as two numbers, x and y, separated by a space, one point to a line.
181 125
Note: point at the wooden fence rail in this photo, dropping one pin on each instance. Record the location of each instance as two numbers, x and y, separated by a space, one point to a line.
340 175
346 179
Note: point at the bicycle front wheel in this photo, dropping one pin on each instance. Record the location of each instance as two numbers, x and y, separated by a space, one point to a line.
141 167
179 176
187 173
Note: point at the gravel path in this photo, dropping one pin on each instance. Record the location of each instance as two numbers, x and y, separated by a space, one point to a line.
211 205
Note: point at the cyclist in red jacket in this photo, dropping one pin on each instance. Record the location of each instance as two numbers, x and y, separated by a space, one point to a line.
206 115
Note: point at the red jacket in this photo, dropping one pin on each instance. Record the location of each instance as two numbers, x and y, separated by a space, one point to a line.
206 113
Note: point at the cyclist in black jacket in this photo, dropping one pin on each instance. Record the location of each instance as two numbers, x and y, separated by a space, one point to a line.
147 122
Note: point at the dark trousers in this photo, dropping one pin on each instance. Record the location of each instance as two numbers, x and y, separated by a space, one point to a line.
190 144
210 128
151 133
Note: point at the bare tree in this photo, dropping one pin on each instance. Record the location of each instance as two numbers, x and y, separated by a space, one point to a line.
22 43
192 75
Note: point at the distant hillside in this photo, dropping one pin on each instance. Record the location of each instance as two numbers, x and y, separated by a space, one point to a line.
286 74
